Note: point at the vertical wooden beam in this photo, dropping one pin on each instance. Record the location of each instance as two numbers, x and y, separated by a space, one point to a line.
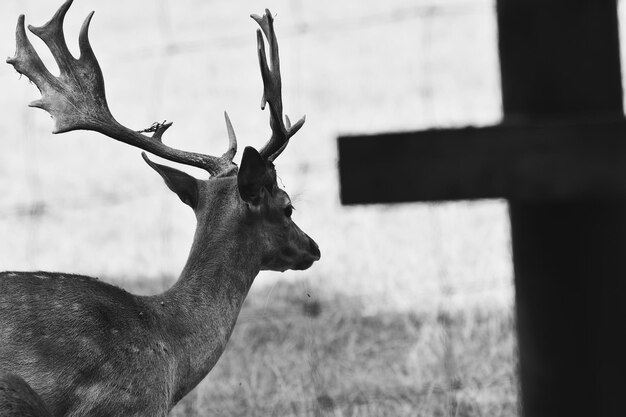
560 59
570 279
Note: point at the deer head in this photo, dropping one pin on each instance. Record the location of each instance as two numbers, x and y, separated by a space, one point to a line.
76 101
146 353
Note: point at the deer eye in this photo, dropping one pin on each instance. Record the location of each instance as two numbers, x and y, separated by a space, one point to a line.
289 210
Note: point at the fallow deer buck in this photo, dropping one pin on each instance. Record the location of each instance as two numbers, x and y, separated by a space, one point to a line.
90 348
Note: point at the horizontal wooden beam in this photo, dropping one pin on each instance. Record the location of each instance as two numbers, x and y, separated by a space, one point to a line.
530 161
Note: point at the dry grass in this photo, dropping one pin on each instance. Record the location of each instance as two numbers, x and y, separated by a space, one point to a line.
297 352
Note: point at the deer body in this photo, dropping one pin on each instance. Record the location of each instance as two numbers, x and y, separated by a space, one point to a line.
93 344
88 348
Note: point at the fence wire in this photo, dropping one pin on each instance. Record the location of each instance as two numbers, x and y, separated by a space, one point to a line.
428 10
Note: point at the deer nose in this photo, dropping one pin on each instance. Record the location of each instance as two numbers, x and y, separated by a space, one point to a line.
315 250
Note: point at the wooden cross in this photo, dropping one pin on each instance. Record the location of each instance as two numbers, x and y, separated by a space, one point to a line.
559 157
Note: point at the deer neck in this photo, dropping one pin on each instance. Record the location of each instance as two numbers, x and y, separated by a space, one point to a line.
206 300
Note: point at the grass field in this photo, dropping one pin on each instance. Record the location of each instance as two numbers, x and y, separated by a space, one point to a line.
299 352
409 311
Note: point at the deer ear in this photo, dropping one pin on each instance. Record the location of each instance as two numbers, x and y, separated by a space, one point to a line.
254 175
183 184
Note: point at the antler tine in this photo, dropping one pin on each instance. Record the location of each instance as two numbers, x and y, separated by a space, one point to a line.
76 99
272 89
52 35
232 140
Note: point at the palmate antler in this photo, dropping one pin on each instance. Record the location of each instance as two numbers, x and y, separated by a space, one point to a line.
272 94
76 99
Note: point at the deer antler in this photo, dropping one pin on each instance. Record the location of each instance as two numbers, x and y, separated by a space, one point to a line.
76 99
272 86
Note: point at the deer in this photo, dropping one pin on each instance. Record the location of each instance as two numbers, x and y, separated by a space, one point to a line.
88 348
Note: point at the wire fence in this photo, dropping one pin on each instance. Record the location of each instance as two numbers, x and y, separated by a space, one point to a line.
38 204
422 11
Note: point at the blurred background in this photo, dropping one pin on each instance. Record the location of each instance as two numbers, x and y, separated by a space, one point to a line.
409 311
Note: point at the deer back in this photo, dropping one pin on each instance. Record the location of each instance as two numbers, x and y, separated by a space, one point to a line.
73 336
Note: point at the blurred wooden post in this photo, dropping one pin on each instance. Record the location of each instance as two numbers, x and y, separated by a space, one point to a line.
561 59
560 159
